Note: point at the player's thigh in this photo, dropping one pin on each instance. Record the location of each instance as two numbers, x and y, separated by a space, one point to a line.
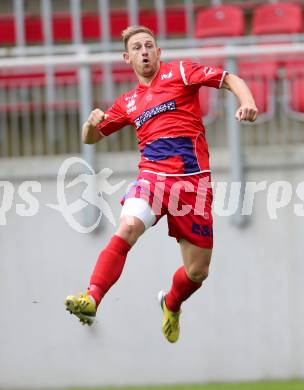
196 260
191 218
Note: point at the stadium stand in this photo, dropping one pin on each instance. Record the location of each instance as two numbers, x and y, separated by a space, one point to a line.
217 21
22 92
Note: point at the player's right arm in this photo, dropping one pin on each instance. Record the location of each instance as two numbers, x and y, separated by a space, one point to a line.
101 124
90 133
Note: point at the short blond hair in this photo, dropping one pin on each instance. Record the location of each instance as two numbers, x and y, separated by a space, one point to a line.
132 30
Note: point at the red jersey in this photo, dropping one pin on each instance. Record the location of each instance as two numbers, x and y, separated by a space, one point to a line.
167 118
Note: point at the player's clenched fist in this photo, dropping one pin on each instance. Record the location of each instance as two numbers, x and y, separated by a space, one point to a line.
96 117
90 133
247 112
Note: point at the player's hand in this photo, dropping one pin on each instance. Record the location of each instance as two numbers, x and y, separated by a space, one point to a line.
247 112
96 116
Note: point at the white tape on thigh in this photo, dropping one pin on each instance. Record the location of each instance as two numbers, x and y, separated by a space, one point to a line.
139 208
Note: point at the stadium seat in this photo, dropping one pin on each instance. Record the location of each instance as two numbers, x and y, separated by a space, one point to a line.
277 18
119 21
90 27
260 78
219 21
33 30
176 21
294 87
7 30
148 18
62 28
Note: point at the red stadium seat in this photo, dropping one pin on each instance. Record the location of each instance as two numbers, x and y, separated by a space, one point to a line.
62 27
148 18
219 21
277 18
90 27
7 30
176 21
294 73
33 30
119 21
260 77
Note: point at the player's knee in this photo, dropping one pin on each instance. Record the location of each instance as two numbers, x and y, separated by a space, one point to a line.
130 230
198 274
197 264
198 268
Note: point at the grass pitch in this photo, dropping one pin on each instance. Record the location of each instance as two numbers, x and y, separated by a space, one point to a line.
290 385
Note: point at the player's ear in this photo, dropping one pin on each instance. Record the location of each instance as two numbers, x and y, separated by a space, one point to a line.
158 52
126 57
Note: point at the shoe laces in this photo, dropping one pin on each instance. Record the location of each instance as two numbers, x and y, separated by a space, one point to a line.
82 301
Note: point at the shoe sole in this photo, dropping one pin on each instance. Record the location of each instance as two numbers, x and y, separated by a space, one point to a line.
74 309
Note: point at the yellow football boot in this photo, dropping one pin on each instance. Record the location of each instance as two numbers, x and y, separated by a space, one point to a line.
83 307
170 325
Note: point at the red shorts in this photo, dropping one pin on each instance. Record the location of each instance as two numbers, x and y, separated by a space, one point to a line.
186 200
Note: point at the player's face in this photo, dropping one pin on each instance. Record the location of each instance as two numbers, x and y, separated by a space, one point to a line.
143 54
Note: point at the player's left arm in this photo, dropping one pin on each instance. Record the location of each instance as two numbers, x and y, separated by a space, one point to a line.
247 110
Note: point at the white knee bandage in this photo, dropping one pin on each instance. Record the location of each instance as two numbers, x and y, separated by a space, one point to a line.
139 208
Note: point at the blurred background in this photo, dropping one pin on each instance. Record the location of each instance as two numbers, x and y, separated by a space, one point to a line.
59 59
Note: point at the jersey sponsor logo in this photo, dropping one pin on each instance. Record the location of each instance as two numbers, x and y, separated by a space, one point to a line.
152 112
166 76
131 106
131 103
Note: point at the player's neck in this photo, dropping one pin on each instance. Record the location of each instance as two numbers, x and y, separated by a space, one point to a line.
146 81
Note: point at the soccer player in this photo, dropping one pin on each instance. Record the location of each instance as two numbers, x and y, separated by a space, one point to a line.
174 171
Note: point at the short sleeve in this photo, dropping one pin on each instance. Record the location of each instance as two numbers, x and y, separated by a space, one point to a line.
209 76
117 119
